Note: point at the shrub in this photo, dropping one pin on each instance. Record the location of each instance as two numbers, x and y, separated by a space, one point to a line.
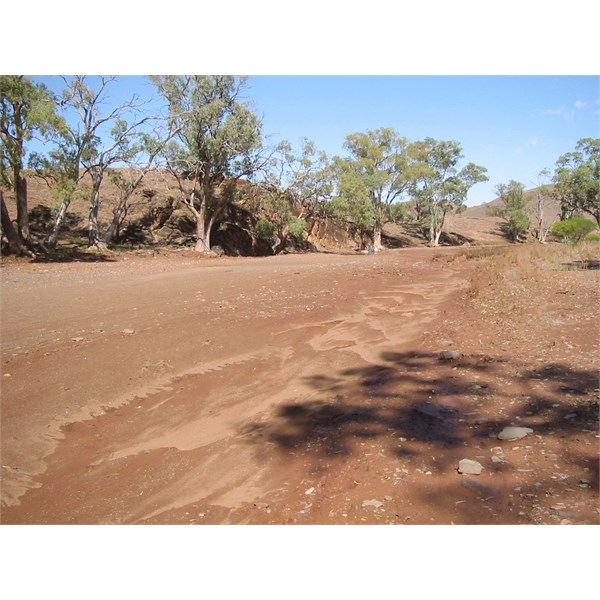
593 237
297 228
265 229
573 230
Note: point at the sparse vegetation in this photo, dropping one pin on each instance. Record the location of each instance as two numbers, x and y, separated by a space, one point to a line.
573 230
514 210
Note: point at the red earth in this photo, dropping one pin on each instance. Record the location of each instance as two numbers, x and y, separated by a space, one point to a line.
301 389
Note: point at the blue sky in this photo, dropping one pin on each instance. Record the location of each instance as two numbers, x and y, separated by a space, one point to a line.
515 126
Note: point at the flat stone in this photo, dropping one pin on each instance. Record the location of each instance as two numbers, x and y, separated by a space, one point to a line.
128 331
449 355
373 503
469 467
514 433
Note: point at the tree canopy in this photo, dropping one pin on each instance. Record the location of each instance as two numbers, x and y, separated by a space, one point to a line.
577 179
219 142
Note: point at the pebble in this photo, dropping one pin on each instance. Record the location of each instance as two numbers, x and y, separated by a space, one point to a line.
469 467
449 355
309 491
514 433
77 339
128 331
496 459
373 503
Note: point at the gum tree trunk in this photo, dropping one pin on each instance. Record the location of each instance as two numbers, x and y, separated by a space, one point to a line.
8 229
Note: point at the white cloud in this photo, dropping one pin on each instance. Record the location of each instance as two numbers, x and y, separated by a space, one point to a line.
579 104
560 112
532 142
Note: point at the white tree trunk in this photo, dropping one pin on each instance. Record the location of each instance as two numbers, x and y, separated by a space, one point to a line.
58 221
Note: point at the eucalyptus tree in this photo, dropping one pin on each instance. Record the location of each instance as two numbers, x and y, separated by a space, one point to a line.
577 179
150 147
27 109
8 230
378 172
544 195
440 187
218 143
98 139
298 185
514 210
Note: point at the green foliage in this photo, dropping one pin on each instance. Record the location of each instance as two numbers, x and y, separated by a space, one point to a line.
400 212
26 109
297 228
439 187
218 141
593 237
353 203
304 176
514 210
577 179
377 173
266 230
279 219
573 230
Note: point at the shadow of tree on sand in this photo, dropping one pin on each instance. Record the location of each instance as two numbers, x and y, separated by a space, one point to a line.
67 255
434 404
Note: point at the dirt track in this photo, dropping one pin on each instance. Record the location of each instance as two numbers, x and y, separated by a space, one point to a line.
292 389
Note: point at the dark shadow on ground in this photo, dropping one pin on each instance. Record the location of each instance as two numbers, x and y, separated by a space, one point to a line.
73 255
433 406
582 265
396 396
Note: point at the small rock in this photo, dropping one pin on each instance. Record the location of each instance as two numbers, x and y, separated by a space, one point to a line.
388 498
449 355
497 459
469 467
259 505
309 491
77 339
128 331
559 506
373 503
514 433
570 415
7 375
